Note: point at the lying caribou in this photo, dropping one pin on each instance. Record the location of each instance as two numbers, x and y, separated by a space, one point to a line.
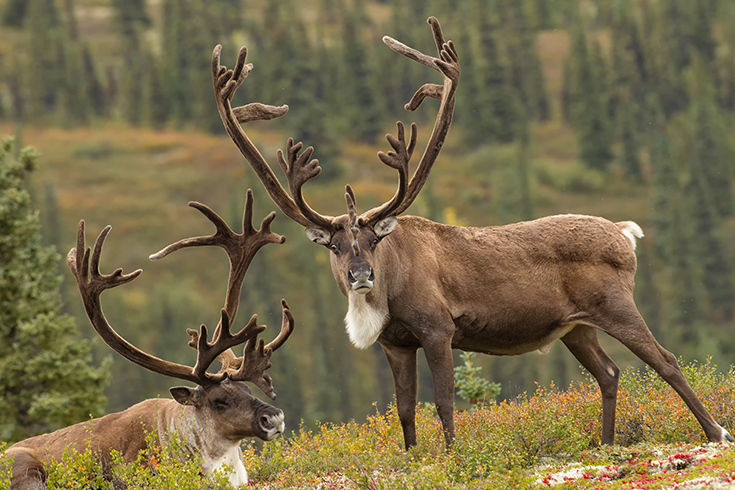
506 290
210 419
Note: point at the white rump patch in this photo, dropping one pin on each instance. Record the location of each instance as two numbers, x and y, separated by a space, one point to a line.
631 230
364 322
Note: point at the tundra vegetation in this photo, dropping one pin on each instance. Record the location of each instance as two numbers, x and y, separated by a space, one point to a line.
547 437
116 168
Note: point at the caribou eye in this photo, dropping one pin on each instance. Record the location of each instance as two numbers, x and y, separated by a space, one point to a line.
220 404
334 248
375 242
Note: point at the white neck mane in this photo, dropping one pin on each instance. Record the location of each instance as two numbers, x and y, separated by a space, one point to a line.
364 321
215 453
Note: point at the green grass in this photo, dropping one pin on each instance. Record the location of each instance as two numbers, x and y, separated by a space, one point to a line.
548 437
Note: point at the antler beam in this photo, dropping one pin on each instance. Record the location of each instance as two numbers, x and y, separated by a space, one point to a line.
226 82
448 65
91 284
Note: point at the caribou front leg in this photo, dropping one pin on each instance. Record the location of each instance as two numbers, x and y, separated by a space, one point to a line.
402 362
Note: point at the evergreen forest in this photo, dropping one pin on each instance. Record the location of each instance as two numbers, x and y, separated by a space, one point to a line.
618 108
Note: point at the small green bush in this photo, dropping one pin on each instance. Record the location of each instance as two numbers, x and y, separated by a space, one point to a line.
471 386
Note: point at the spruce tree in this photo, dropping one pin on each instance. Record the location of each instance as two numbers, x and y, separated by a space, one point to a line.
360 82
682 303
627 122
711 155
95 89
489 101
199 67
709 188
174 58
130 20
701 17
310 115
47 376
525 66
14 13
276 56
42 73
662 75
73 102
676 29
588 100
156 110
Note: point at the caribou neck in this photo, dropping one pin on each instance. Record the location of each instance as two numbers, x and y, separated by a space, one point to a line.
196 436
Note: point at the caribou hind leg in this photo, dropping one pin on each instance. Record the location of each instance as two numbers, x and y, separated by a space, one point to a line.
583 344
625 324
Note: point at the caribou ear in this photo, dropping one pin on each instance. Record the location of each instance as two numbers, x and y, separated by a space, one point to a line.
385 226
186 396
318 235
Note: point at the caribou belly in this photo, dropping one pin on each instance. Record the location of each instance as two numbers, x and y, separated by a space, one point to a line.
507 340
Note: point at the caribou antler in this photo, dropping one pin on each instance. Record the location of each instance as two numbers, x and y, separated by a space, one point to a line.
240 249
91 284
448 65
297 170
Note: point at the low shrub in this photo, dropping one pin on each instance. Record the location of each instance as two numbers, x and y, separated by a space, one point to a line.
518 443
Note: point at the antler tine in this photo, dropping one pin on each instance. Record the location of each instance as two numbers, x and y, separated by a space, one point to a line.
256 356
399 160
298 172
351 205
91 284
352 214
240 248
207 352
80 265
226 82
448 65
287 326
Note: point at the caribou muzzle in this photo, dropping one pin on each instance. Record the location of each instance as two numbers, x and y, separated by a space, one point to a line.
361 280
272 425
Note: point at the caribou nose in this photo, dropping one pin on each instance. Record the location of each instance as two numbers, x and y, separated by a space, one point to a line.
361 281
272 425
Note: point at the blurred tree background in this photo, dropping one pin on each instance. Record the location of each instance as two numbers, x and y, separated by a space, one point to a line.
618 108
47 376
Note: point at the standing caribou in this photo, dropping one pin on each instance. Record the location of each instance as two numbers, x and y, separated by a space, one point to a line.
210 419
506 290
